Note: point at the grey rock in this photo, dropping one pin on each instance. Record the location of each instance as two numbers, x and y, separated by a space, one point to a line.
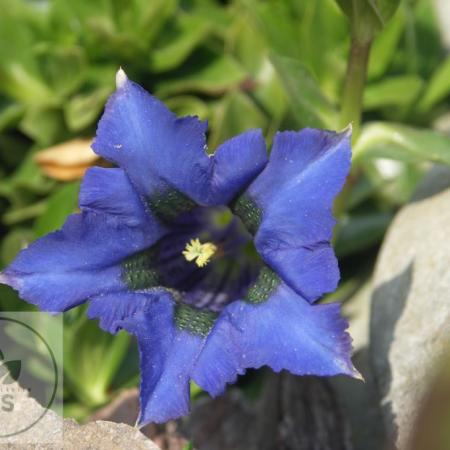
28 423
410 320
104 436
125 409
54 432
361 406
436 180
360 400
292 413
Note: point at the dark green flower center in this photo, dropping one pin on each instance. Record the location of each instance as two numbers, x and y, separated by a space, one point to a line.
247 210
234 272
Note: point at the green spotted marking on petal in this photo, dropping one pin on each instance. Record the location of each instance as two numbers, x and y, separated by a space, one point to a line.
247 210
137 270
263 287
170 204
194 320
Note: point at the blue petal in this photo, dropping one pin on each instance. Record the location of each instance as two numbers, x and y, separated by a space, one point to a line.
160 151
285 332
64 268
139 134
295 193
236 163
167 356
112 309
109 191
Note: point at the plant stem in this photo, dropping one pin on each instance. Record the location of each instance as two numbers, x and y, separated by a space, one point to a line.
352 98
352 103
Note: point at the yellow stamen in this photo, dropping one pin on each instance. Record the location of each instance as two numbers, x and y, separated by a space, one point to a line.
199 252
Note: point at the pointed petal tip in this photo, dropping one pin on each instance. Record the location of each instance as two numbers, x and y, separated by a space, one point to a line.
348 130
121 78
358 376
4 279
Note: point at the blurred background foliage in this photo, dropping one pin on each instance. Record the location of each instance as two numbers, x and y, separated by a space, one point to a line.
273 64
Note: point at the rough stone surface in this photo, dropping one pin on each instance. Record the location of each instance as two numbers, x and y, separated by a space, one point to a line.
125 409
410 321
104 436
292 413
435 181
52 432
47 430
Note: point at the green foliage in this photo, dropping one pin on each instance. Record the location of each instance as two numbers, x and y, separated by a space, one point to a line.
240 64
367 17
92 359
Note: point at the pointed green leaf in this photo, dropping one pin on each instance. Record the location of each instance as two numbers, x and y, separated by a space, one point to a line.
176 44
214 76
308 102
92 358
14 368
59 205
83 109
394 141
359 232
392 91
13 242
367 17
438 88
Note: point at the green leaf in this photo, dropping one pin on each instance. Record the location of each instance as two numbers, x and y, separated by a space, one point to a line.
364 16
392 91
385 140
438 88
62 203
28 177
10 301
276 21
64 68
359 232
394 181
91 359
385 47
308 102
13 242
23 86
22 214
367 17
149 19
83 109
20 75
178 43
10 115
234 114
10 371
361 191
217 75
187 105
387 8
195 390
45 126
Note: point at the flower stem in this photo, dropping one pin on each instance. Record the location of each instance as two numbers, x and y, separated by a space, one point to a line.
352 98
352 103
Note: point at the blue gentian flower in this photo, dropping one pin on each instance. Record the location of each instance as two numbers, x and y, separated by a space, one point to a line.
214 262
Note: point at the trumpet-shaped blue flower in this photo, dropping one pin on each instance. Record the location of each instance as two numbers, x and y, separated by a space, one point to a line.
213 262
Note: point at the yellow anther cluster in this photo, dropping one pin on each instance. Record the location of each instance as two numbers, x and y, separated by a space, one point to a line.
199 252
